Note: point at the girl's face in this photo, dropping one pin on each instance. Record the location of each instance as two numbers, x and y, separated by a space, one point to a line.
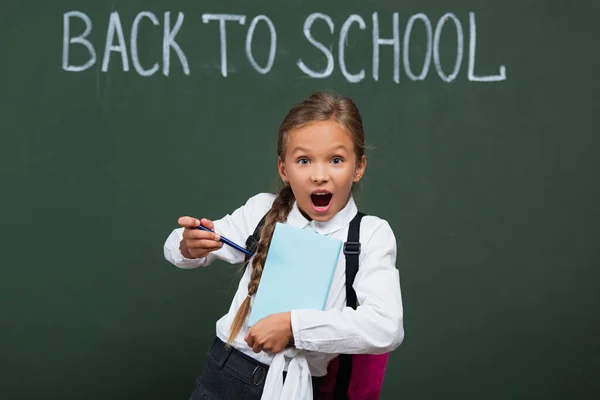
320 164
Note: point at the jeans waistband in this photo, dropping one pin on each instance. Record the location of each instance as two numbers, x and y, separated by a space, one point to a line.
245 367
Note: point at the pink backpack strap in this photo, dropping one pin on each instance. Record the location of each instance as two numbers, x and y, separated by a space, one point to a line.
327 384
366 378
368 371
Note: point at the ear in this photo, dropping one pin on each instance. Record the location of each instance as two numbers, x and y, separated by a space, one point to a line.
282 171
361 165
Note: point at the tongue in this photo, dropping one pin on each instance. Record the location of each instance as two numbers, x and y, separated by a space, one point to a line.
321 200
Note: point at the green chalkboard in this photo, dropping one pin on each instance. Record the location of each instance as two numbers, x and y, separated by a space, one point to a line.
117 117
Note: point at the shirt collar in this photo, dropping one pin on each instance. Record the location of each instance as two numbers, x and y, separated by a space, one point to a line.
339 220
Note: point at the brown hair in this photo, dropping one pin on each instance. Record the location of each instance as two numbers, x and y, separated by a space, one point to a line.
319 107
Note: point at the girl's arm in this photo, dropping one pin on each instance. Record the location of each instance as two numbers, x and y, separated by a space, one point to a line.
236 226
376 326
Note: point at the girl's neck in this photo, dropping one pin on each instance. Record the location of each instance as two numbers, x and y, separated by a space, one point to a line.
305 215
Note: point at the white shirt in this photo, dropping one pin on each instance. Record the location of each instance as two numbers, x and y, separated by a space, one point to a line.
375 327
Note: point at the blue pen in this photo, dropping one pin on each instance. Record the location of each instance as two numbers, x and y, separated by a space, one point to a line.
227 241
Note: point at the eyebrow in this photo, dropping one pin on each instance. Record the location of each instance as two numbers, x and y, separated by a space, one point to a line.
302 149
297 149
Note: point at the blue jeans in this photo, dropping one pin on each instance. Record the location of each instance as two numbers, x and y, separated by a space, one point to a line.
229 374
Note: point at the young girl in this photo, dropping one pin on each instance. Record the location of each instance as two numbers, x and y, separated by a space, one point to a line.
321 156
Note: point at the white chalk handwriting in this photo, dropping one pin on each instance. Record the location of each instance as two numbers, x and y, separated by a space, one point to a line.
385 35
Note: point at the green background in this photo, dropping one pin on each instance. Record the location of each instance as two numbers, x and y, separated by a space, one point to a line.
491 189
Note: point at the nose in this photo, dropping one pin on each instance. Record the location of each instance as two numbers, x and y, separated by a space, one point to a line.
320 174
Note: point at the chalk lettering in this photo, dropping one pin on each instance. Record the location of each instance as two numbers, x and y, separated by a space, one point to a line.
472 47
114 24
353 78
272 48
351 68
395 41
406 47
327 52
223 18
133 44
169 42
459 47
81 39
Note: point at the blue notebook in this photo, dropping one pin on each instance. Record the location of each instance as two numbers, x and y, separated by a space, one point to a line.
297 274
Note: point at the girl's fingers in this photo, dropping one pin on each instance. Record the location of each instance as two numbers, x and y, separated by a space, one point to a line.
257 347
188 222
199 234
203 244
207 223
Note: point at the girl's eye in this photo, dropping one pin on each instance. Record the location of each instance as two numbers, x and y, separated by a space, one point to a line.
302 161
337 160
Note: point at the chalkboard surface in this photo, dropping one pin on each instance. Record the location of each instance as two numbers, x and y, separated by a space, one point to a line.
117 117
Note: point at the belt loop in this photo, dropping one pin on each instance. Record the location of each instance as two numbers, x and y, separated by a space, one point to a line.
223 353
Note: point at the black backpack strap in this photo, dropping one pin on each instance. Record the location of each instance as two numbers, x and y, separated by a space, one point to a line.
252 241
352 252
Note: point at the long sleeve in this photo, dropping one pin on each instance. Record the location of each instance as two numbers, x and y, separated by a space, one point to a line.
236 226
376 326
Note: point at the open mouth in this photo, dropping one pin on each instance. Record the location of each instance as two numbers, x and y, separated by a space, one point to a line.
321 200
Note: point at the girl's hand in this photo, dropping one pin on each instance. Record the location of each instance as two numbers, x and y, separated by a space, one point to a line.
270 334
197 243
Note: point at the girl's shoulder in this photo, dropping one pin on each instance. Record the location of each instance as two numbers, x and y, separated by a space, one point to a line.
261 202
376 231
243 220
256 207
373 222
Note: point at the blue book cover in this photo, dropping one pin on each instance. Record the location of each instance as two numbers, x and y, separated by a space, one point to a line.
297 274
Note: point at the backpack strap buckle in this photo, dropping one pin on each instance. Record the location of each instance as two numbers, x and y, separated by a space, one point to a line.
351 248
